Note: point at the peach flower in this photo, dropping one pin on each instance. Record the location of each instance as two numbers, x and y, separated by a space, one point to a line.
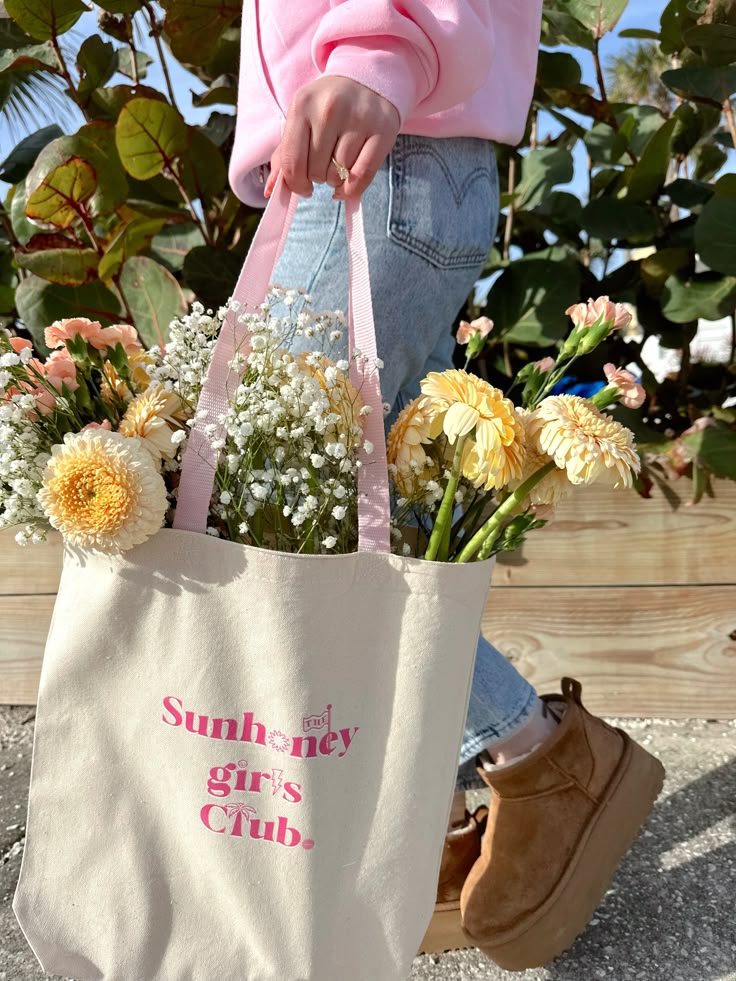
62 330
121 334
630 392
105 424
18 343
545 365
587 314
482 326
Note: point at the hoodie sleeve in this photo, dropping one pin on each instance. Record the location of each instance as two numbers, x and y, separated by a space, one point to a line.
428 54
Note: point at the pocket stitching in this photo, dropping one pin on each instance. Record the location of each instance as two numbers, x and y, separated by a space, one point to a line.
439 259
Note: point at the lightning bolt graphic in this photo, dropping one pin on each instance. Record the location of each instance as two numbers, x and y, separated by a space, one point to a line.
276 780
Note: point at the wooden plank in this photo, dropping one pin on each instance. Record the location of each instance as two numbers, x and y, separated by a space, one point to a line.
29 568
615 538
599 537
24 624
638 651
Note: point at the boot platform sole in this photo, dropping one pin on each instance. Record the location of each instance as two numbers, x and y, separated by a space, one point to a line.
553 927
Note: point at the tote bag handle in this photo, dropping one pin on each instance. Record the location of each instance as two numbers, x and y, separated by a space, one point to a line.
199 462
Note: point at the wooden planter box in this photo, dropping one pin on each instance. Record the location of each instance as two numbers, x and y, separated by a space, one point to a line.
635 599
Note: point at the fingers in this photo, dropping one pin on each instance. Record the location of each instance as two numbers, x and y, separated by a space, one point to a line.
334 117
373 153
294 154
346 151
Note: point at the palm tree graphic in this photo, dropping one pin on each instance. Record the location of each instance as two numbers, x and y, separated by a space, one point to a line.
245 809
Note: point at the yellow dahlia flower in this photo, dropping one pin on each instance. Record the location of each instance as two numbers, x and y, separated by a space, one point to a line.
589 444
343 396
555 485
138 363
152 416
405 449
103 491
460 404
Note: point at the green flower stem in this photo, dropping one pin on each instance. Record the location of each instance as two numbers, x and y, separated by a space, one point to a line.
487 535
439 542
607 396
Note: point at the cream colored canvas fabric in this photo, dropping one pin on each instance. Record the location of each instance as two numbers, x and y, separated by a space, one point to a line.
243 761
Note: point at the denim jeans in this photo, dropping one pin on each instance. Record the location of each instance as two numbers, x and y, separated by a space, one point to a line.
430 219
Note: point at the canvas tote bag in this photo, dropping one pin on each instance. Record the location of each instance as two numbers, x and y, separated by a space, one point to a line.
243 759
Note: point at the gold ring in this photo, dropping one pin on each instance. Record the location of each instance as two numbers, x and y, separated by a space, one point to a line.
342 170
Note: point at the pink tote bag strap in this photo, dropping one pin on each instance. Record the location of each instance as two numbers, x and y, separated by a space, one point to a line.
199 463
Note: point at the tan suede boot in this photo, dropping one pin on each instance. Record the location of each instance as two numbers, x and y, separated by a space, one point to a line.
561 819
461 852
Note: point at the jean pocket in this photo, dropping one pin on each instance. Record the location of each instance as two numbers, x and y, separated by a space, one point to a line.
444 199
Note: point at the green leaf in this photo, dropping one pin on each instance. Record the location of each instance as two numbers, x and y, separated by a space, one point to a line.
610 221
20 160
11 35
715 235
603 143
676 18
62 192
715 43
709 160
45 19
23 229
711 82
212 274
705 295
657 268
34 58
172 245
223 91
130 239
96 63
149 135
94 143
542 169
558 70
694 121
646 122
193 27
641 33
125 63
528 300
689 194
120 6
107 103
202 170
563 28
568 123
650 173
154 296
40 303
7 299
599 16
715 446
66 266
726 186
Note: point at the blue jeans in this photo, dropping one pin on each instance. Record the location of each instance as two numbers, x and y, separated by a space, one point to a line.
430 220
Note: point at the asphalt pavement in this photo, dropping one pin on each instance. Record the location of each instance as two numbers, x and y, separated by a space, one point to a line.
670 914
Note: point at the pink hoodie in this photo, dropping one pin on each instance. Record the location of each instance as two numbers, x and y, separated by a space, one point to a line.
451 67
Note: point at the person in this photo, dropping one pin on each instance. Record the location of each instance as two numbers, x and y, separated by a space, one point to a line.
401 103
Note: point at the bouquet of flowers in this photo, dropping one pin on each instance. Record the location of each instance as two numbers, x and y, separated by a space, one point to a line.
92 437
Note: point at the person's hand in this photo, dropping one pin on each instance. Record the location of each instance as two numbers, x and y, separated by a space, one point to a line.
334 117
